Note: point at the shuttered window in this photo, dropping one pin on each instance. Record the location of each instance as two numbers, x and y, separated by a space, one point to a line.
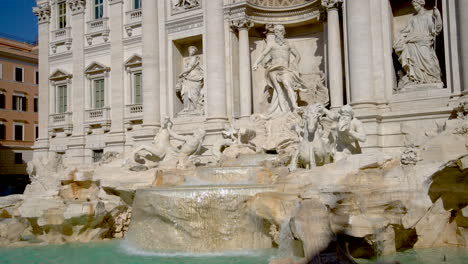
62 99
18 132
19 103
99 93
137 88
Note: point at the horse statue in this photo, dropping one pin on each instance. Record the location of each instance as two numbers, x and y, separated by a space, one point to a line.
313 149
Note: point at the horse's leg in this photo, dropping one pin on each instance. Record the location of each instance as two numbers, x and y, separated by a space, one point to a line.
294 160
312 162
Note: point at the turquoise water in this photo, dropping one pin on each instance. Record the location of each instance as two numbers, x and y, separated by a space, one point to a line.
117 252
427 256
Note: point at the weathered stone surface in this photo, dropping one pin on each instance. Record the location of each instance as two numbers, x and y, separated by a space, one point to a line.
197 219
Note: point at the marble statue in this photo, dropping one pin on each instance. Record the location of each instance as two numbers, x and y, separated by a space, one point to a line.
415 47
280 73
190 146
349 131
235 141
153 154
162 153
313 148
190 84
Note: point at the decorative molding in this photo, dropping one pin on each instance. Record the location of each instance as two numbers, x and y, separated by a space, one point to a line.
332 4
60 75
96 68
242 23
187 23
306 11
43 13
277 3
133 62
77 6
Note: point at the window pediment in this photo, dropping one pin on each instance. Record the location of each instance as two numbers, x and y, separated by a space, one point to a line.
133 62
96 68
60 75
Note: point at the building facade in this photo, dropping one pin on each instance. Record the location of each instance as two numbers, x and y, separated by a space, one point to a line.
112 70
18 106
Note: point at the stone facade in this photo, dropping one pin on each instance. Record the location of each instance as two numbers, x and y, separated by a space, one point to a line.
112 72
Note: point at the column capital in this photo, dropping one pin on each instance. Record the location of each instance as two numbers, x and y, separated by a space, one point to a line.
242 23
77 6
331 4
42 12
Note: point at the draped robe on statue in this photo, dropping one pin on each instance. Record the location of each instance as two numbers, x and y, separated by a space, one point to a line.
415 49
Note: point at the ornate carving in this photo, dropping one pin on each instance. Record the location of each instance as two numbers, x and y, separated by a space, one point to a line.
184 5
278 3
329 4
77 6
415 48
243 23
43 13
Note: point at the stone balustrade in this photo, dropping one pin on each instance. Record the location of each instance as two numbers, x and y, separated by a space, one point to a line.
133 20
98 27
60 121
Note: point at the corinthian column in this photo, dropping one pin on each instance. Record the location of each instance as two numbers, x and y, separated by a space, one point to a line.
245 74
42 12
335 67
215 60
360 51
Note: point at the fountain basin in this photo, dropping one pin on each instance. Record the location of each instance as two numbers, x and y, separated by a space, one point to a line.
198 219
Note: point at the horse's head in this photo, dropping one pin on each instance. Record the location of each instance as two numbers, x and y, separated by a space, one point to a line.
312 116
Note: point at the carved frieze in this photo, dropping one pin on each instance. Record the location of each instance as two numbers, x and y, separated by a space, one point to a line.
43 13
278 3
179 6
77 6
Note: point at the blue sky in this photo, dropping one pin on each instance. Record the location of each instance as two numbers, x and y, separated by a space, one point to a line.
17 19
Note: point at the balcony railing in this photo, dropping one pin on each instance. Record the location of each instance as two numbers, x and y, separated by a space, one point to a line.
134 16
61 34
98 25
98 116
60 121
133 112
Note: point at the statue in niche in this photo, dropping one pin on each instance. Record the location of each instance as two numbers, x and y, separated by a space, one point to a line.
189 87
282 75
348 132
415 47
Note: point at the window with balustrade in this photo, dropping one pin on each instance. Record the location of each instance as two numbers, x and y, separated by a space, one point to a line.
62 14
98 9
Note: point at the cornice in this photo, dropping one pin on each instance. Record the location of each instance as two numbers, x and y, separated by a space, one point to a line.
185 23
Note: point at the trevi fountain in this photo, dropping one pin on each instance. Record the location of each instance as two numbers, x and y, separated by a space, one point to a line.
342 138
